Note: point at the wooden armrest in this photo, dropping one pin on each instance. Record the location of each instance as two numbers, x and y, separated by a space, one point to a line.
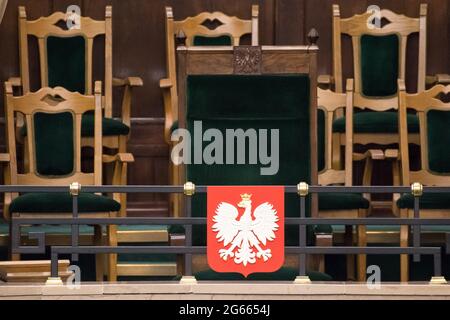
165 83
129 81
121 157
325 79
391 154
5 157
15 81
438 78
374 154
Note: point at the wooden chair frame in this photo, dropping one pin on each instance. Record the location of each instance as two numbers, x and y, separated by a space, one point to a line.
421 103
89 29
57 100
191 27
330 102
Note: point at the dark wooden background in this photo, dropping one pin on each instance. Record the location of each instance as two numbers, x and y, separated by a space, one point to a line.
139 50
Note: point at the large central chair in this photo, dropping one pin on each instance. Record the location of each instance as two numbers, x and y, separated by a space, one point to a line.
281 95
54 125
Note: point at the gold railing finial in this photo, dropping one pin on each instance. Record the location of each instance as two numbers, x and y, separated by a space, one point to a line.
75 188
417 189
303 189
189 188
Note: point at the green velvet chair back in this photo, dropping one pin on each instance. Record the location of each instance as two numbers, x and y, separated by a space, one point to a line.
66 54
251 102
53 121
379 41
434 122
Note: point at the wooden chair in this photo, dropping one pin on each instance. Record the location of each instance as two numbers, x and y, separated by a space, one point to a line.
53 121
379 59
66 60
3 4
434 121
341 205
196 33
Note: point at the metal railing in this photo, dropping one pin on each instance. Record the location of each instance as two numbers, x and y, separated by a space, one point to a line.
189 190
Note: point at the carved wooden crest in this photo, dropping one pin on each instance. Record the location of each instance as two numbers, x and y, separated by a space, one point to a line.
247 60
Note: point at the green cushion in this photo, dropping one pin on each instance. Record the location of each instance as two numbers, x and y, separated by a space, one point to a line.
284 274
66 62
379 65
62 203
54 143
259 102
342 201
110 127
376 122
427 201
212 41
438 123
321 140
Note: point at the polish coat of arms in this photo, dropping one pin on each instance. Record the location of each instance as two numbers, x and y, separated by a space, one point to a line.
246 235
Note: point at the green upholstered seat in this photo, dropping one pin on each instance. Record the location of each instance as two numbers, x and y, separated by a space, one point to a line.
258 102
212 41
379 65
427 201
62 203
110 127
342 201
376 122
284 274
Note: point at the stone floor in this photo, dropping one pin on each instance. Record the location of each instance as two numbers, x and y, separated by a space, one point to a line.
224 290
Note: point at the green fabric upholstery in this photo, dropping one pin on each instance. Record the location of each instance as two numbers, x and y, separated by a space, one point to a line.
284 274
66 63
54 143
212 41
438 123
259 102
110 127
62 203
427 201
376 122
379 65
342 201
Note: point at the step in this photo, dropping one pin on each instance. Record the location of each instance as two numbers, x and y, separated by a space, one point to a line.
31 271
146 269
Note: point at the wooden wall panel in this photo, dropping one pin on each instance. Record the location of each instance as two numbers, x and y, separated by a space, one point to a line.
139 50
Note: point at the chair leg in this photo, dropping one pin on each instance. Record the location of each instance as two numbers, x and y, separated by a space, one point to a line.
404 241
112 257
362 242
367 176
396 182
12 256
99 258
123 196
348 239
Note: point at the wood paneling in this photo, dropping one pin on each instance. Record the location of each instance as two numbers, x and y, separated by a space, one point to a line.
139 50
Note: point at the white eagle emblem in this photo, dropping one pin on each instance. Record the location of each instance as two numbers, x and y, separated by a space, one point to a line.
245 234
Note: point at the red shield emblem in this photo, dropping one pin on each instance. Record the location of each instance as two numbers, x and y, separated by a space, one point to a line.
245 228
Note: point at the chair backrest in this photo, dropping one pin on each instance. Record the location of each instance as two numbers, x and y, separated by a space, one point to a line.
434 125
379 54
66 54
229 32
328 103
53 124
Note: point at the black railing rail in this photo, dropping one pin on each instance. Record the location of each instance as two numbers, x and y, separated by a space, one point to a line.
189 190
